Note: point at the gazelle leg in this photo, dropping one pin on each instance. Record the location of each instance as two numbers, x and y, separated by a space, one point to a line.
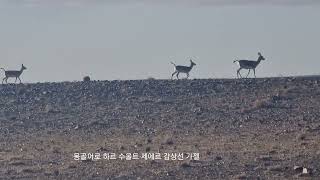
248 73
16 80
238 73
19 79
3 80
178 75
174 74
187 75
254 72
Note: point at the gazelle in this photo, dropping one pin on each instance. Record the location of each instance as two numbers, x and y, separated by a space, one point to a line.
14 74
249 64
182 69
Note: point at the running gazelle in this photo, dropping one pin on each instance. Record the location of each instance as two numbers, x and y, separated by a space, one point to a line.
249 64
13 74
182 69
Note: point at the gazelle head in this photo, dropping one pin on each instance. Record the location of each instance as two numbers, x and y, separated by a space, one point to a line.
261 57
23 67
192 63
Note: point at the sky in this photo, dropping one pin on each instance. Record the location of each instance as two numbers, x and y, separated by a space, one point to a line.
65 40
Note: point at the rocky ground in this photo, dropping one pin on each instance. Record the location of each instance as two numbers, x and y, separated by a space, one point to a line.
241 129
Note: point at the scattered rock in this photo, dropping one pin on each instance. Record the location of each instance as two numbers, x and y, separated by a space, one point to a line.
122 148
138 145
272 152
298 169
72 166
169 141
264 158
149 140
50 109
86 79
185 165
301 137
56 172
55 150
263 103
241 176
148 149
13 117
102 149
302 170
218 158
32 170
305 171
17 163
275 168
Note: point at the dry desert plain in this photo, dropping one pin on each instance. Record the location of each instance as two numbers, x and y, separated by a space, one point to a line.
266 128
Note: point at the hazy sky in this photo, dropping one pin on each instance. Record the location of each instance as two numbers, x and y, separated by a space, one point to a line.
64 40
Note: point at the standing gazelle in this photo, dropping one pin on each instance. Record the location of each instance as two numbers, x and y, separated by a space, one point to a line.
248 64
182 69
14 74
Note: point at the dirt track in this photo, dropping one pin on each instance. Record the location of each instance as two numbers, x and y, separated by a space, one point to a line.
242 129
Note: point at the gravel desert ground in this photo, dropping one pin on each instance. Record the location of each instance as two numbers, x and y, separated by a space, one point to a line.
266 128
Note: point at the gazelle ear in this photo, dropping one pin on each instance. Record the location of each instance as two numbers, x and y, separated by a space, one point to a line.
259 53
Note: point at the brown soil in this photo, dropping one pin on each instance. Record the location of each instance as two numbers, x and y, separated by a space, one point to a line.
242 129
